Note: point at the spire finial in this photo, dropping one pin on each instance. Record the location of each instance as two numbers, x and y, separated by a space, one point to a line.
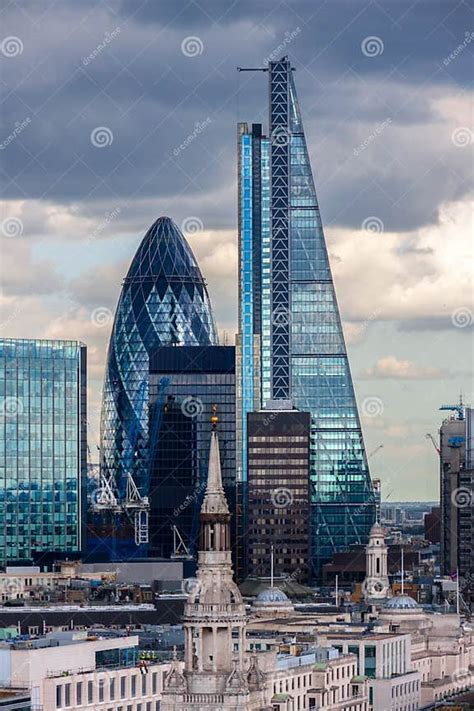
214 417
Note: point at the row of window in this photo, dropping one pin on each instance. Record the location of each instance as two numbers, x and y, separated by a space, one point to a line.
103 689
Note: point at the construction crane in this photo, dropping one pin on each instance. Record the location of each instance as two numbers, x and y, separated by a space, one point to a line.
459 409
430 436
108 495
180 549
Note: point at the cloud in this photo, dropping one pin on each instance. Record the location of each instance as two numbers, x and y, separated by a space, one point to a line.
392 367
376 279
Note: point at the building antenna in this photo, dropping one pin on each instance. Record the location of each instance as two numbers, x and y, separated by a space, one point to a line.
271 566
403 571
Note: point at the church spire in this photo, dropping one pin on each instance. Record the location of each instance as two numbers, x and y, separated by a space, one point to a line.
214 499
215 514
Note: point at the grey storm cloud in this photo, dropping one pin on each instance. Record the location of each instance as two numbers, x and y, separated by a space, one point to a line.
150 100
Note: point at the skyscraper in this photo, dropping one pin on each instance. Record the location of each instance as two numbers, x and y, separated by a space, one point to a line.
290 342
278 491
198 380
43 447
164 302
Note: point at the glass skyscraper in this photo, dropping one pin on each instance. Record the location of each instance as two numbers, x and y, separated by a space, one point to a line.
164 302
43 447
290 344
197 379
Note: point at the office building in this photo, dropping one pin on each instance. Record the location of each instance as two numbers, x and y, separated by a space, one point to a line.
43 448
290 344
68 670
278 466
164 302
189 383
456 492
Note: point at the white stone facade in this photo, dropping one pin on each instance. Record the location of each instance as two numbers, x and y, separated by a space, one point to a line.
67 676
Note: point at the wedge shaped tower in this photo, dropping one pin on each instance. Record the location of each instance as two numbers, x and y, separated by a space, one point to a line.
290 343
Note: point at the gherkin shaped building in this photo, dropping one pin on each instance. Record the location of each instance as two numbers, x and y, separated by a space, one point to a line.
164 302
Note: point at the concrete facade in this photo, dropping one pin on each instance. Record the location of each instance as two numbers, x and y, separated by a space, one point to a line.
68 675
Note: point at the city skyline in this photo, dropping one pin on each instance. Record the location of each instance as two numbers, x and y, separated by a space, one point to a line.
396 242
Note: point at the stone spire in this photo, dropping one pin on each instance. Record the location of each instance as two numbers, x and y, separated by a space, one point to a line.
214 498
215 660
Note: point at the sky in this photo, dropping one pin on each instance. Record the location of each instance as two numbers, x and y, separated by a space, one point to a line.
116 112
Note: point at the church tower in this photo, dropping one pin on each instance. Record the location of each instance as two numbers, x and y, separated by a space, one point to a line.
376 585
217 673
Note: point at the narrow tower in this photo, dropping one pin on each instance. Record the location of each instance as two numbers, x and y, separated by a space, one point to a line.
215 676
376 584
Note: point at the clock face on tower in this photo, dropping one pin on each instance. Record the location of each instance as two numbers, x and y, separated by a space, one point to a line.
374 587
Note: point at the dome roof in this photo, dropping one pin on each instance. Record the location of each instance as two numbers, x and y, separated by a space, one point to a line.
377 530
401 602
272 595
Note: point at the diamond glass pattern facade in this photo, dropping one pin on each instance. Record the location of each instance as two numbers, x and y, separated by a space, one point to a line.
43 455
290 343
164 302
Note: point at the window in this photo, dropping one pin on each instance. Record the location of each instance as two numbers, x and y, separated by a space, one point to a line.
59 696
112 690
101 689
123 686
79 693
67 694
144 677
154 679
90 692
134 685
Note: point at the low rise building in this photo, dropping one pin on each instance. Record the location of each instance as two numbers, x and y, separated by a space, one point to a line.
74 671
